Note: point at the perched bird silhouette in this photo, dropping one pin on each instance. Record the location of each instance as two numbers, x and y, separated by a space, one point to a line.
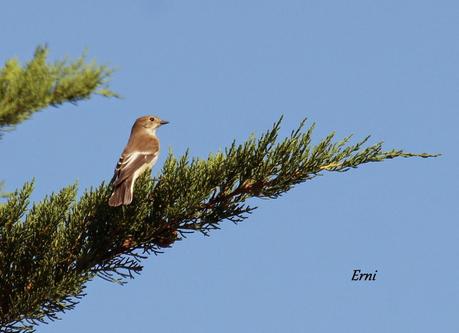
140 153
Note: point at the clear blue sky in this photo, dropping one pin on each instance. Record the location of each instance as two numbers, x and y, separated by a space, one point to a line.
219 70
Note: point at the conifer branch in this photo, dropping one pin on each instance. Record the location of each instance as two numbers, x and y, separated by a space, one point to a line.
37 85
50 252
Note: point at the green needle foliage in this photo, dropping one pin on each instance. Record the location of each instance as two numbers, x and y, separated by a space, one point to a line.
49 252
37 85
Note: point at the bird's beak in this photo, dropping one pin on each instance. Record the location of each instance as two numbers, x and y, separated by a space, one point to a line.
164 122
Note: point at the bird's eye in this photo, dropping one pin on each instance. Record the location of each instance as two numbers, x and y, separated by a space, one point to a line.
152 119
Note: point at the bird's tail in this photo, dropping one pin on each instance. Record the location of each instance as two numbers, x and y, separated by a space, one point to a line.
122 194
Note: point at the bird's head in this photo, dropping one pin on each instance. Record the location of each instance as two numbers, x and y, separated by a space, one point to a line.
150 122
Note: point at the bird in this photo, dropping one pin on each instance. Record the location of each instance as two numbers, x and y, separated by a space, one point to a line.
140 154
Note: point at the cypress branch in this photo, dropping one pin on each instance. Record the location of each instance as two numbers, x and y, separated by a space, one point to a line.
37 85
50 252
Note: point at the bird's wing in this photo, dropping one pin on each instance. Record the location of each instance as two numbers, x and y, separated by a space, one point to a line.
128 164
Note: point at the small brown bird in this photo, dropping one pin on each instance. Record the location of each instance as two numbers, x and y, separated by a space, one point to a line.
140 153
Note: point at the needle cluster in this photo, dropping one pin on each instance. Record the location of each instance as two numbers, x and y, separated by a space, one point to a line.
25 89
